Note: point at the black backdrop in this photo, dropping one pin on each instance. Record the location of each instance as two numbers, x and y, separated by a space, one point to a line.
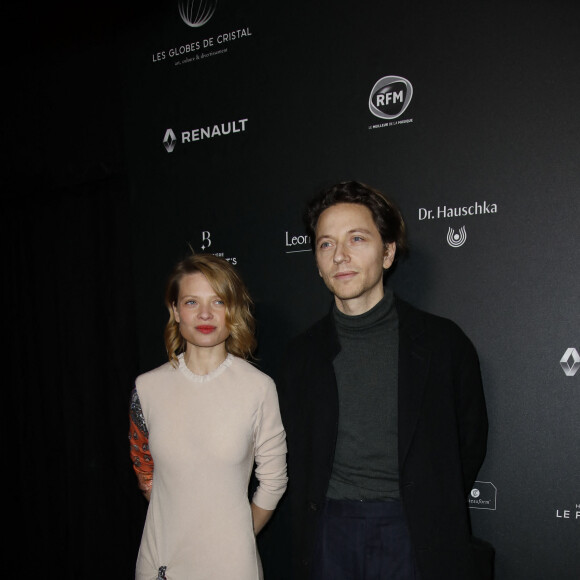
97 210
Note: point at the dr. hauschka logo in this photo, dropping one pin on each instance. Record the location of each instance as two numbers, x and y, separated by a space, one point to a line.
483 496
169 140
208 132
570 362
196 13
456 239
390 97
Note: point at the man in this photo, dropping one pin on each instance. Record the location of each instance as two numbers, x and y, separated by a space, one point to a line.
385 415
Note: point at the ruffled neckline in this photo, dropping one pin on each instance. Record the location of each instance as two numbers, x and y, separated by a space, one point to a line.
204 378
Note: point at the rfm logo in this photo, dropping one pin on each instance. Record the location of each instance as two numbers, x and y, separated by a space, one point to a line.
570 369
390 97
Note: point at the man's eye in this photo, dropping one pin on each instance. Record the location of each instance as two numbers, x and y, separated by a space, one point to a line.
325 245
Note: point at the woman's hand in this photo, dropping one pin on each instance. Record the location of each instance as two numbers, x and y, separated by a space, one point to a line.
260 517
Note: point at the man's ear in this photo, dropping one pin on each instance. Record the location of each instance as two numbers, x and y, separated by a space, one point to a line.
389 255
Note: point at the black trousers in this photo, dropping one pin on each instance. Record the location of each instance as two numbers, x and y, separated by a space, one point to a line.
363 541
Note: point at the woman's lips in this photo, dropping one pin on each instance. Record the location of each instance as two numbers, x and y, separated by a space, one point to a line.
205 329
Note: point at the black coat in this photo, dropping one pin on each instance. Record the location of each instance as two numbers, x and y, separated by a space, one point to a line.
442 440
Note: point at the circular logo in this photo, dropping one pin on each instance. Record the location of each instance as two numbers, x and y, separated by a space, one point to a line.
390 96
475 492
196 13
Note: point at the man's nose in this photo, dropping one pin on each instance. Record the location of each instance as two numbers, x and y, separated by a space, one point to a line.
340 254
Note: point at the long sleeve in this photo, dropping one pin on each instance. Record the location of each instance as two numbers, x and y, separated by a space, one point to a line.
139 444
471 412
270 452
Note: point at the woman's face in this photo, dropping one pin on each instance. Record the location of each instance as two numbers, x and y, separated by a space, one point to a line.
201 313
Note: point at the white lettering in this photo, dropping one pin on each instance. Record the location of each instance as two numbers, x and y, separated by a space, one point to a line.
213 131
387 98
297 240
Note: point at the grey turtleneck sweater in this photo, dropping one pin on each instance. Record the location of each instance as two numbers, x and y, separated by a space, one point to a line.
366 459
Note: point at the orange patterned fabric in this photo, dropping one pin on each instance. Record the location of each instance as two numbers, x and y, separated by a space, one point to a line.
139 444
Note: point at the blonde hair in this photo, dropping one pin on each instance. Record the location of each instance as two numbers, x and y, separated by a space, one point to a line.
229 286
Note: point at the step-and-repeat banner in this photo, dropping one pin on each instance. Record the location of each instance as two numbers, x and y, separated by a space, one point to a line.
467 115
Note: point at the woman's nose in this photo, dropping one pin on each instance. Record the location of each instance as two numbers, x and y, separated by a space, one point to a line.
205 312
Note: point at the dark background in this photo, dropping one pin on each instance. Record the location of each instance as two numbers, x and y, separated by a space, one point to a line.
96 212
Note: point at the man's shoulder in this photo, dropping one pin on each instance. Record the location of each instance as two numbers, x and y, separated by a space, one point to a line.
415 322
315 335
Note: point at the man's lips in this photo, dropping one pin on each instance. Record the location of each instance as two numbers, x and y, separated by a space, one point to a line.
205 328
344 275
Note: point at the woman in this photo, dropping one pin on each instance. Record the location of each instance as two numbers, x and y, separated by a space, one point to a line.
198 424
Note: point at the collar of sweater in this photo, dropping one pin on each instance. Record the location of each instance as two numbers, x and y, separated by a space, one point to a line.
382 315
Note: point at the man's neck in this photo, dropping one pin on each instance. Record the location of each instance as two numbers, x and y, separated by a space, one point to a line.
360 304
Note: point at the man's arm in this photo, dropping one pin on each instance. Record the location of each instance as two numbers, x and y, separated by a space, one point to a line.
471 413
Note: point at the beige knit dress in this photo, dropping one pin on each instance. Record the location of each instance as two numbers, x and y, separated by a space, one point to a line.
203 434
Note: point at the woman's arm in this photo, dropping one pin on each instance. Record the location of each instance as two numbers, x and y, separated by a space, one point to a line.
260 517
139 446
270 457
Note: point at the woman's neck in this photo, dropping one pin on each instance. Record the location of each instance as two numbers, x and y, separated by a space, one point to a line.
203 360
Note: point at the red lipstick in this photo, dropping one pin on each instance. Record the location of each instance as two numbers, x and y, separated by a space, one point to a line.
205 328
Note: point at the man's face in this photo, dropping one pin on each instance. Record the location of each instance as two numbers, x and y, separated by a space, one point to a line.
351 256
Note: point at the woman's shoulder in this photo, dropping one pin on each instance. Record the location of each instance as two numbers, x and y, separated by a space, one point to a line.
156 375
250 373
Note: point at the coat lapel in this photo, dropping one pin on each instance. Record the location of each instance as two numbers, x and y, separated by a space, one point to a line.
414 360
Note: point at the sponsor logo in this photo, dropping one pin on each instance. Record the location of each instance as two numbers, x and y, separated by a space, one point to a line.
456 239
297 243
200 49
390 97
208 132
169 140
206 242
443 211
569 514
483 496
196 13
570 362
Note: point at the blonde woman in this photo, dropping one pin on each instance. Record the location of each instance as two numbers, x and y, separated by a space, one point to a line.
198 425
